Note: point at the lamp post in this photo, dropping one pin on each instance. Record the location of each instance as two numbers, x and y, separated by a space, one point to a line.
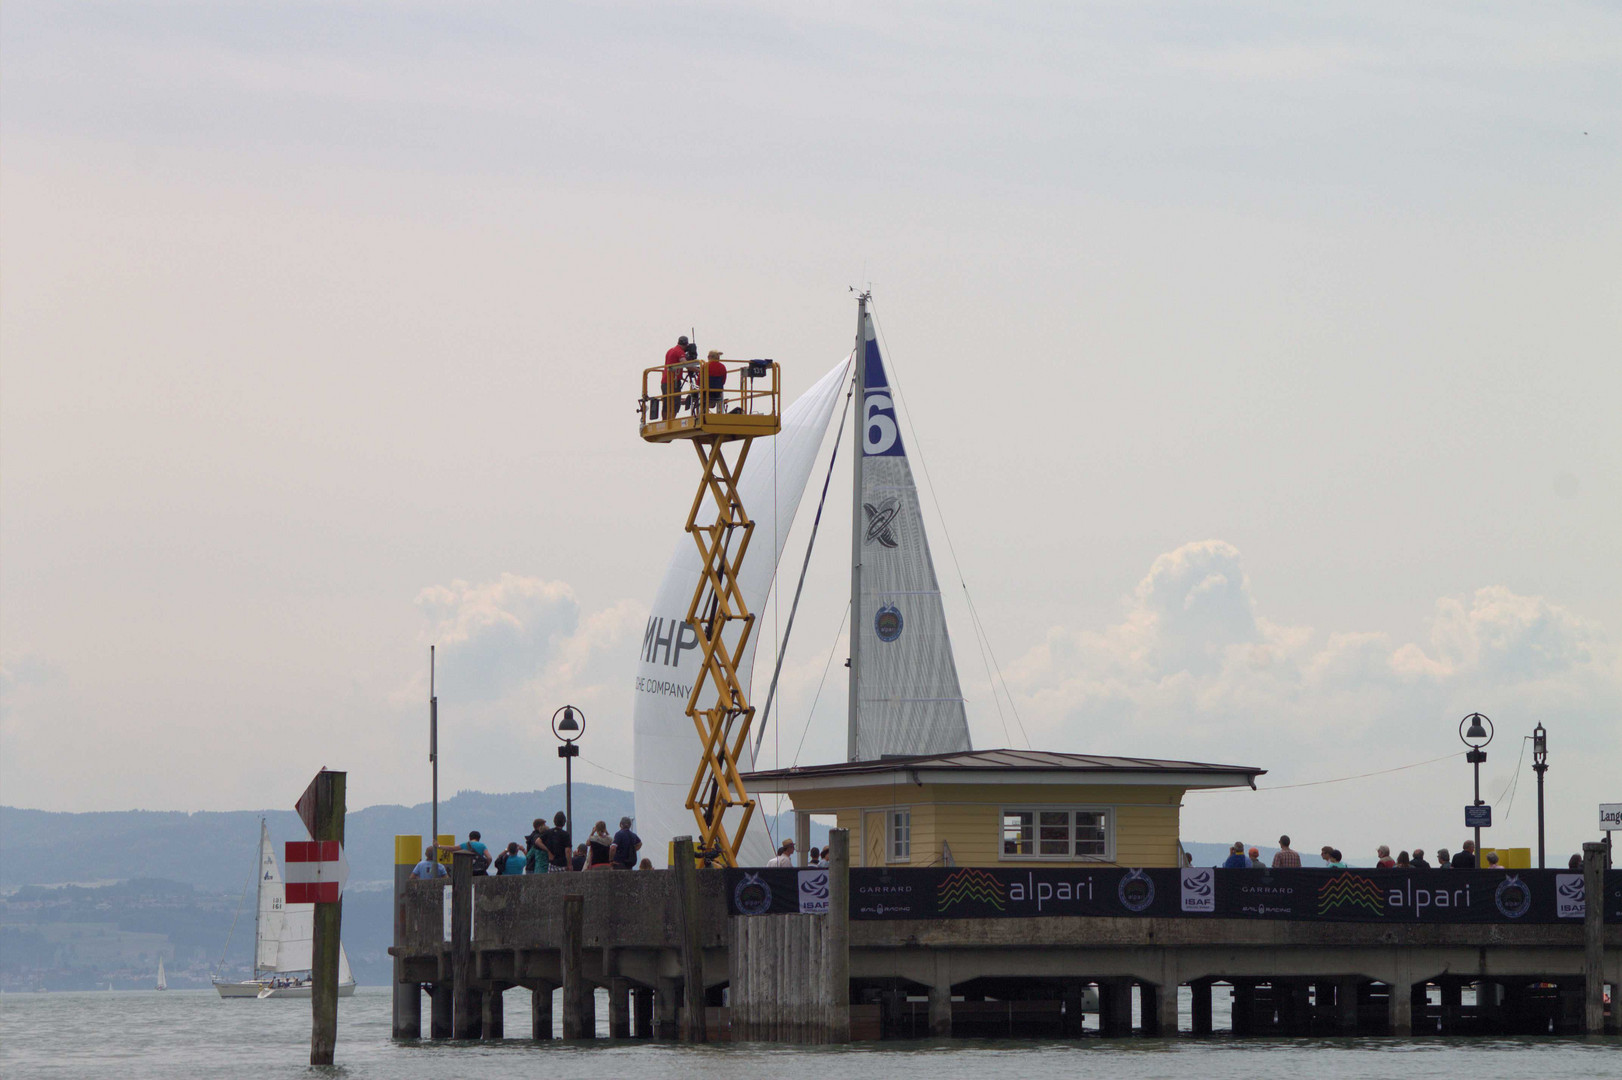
1477 735
1540 765
568 724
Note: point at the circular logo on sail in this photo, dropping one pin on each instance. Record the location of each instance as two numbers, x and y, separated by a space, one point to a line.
1136 891
752 896
1513 897
887 622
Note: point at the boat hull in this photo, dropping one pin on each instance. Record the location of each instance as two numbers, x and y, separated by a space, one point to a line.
265 989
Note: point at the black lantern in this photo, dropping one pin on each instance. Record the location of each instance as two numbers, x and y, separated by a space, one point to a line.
1540 765
1476 736
568 724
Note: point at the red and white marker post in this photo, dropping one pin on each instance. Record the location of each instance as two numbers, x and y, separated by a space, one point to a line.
316 871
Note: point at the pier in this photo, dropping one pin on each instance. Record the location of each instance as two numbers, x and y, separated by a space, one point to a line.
681 957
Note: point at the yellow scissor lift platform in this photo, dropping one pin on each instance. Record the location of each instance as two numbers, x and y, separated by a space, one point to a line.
678 402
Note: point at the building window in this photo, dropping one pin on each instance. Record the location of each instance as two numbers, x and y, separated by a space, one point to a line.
1056 833
900 835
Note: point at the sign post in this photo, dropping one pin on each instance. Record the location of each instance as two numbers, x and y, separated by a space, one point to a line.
320 878
1478 817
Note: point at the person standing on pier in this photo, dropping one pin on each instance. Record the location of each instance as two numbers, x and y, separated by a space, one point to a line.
1442 861
1466 858
428 868
1236 857
1418 860
784 857
1385 862
626 844
556 842
1286 858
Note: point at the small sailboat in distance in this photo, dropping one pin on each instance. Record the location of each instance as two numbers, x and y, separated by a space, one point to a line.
163 983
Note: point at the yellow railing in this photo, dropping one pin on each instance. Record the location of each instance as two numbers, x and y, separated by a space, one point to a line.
689 392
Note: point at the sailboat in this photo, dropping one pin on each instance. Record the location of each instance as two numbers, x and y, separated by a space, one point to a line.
163 983
904 695
283 937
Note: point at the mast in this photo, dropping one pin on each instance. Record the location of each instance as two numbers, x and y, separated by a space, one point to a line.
433 749
259 894
860 426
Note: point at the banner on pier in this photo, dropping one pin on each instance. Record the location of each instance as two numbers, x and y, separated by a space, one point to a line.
1368 896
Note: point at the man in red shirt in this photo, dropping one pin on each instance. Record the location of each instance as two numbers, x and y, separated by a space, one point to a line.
716 378
670 381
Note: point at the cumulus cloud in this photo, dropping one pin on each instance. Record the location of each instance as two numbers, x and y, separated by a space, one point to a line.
495 636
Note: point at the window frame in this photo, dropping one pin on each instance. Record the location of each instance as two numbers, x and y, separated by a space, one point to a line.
1036 810
891 842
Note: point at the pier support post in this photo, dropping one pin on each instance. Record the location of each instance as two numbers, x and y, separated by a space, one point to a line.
574 982
692 942
407 1017
464 1012
493 1014
439 1011
642 1012
1399 1003
1115 1008
837 958
1244 1007
1073 994
1160 1009
666 998
1346 1010
940 1011
802 837
1594 939
540 1009
1200 1007
619 1008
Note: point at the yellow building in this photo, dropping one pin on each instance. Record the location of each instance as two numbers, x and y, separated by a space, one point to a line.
1003 807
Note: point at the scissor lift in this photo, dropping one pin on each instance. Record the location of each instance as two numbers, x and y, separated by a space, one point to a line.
677 403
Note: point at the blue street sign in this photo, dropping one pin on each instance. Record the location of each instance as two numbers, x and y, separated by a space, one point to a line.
1478 817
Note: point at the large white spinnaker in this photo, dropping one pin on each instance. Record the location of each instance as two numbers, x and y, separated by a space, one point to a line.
667 747
907 699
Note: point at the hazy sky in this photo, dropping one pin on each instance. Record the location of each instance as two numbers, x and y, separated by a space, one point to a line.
1264 360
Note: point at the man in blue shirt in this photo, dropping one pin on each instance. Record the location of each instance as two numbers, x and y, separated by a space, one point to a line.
428 868
1236 858
622 853
481 854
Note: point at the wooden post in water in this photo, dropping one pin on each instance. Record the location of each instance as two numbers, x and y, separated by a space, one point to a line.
574 981
1594 939
407 1020
329 825
692 941
465 1018
836 962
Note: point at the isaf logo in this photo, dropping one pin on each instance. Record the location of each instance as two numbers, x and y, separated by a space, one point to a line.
879 520
814 892
1199 889
1569 898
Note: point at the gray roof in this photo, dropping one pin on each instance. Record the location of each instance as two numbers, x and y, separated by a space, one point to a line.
1010 761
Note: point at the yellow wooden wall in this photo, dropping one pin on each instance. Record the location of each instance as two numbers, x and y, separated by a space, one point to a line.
968 816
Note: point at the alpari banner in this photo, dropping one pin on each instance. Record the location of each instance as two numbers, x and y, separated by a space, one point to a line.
1371 896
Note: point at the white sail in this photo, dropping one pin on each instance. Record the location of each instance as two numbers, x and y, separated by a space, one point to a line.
907 699
285 932
667 747
163 983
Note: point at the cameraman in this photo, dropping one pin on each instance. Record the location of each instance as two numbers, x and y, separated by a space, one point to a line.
676 357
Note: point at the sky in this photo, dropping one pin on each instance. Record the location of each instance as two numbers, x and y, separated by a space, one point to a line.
1260 363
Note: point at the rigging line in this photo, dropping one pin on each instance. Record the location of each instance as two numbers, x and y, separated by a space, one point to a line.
940 515
224 951
777 671
1514 782
777 604
825 667
634 779
1336 780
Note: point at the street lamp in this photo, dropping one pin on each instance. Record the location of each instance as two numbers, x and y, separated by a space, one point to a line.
1540 765
1477 735
568 724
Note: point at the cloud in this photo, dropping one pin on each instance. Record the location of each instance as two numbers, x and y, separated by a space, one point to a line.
495 636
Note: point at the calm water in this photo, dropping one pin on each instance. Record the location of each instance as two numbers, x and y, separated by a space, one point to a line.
141 1035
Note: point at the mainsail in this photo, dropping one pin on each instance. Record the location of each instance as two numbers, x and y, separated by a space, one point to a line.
667 746
285 933
905 697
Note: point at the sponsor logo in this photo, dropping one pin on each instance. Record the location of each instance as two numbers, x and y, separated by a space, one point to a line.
813 892
664 641
1569 896
879 520
1136 891
1417 899
1350 890
970 886
1199 889
879 432
1513 897
887 622
752 896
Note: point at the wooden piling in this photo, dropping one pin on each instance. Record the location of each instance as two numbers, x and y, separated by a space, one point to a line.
465 1018
692 942
574 981
1594 939
493 1019
329 790
836 943
407 1012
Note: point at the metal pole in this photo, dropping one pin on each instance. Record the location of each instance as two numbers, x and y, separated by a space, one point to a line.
568 795
851 749
1541 769
1478 827
433 749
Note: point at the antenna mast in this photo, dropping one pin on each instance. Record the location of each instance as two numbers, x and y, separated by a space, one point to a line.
856 525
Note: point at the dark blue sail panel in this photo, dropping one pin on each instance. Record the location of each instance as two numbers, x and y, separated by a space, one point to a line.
881 434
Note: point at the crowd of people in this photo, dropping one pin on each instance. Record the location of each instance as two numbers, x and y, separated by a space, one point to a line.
1241 858
548 849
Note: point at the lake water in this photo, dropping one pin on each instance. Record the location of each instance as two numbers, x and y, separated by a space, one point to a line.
144 1035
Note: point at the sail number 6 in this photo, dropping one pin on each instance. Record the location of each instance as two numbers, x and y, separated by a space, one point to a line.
878 429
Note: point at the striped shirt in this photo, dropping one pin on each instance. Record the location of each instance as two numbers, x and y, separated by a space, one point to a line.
1286 859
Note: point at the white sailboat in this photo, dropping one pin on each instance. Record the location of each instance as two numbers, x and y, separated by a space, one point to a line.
283 938
163 983
904 692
